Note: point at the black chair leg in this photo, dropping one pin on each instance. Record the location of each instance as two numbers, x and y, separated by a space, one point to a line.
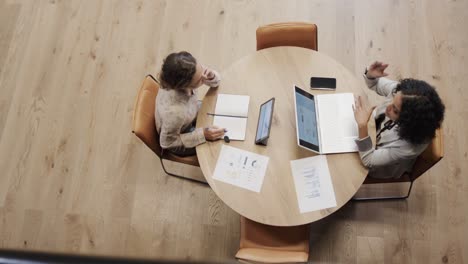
180 176
385 197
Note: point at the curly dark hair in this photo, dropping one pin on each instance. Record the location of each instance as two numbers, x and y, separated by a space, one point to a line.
422 111
177 70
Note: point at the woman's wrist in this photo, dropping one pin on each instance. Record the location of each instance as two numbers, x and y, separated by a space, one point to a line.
366 73
363 133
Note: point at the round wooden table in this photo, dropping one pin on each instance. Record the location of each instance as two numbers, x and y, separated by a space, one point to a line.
270 73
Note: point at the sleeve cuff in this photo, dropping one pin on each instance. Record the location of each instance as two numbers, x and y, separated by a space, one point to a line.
193 139
364 144
200 135
370 82
365 75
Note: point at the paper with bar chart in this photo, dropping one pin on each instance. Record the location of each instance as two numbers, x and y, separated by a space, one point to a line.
314 187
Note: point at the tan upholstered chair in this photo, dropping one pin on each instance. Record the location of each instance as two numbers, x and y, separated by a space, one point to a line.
144 126
297 34
273 244
433 154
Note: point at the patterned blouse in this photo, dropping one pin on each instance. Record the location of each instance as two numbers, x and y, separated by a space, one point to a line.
176 113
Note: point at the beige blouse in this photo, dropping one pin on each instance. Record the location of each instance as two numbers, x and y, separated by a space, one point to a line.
175 114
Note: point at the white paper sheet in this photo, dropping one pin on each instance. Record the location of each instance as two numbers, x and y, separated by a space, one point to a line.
241 168
314 188
231 104
235 109
235 126
338 127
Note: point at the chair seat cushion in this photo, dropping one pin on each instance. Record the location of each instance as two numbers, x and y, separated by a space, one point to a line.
404 178
190 160
271 256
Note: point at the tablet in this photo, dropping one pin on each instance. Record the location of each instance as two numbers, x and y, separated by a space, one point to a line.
264 122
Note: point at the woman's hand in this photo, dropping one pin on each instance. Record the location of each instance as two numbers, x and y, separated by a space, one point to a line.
208 74
362 111
213 133
210 77
376 70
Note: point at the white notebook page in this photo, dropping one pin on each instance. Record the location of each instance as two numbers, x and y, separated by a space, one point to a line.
231 113
235 126
338 128
231 104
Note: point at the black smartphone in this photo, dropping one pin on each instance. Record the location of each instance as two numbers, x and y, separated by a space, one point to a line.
323 83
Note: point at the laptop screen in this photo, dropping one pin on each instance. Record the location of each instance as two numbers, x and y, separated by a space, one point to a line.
306 120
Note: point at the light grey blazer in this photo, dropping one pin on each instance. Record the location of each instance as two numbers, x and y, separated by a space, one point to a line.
392 156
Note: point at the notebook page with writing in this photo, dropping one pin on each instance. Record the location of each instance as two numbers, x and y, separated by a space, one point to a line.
338 128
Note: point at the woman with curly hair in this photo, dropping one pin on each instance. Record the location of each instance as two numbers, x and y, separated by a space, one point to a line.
405 123
177 104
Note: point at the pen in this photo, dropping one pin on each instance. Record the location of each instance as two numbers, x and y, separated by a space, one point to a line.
226 115
208 128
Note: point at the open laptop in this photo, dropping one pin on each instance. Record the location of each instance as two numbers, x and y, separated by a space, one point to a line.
325 123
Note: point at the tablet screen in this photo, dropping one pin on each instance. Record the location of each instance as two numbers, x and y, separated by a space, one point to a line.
264 120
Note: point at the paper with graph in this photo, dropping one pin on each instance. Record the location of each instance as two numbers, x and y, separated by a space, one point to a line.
241 168
314 188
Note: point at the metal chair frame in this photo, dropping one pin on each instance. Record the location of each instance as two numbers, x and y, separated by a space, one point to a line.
383 198
176 175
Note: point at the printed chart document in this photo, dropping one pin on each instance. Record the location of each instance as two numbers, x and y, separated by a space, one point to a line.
314 188
231 113
241 168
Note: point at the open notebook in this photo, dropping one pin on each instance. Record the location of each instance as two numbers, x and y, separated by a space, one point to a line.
325 123
231 113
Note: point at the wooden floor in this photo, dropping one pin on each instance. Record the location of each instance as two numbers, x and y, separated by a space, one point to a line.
73 178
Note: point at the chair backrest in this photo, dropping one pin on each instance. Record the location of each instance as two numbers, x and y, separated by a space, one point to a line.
273 244
144 124
433 153
297 34
428 158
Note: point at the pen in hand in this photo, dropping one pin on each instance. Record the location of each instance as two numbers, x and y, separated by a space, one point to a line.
213 133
